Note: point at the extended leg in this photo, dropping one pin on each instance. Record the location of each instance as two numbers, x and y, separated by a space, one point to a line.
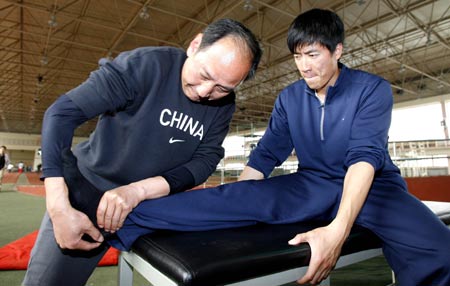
280 199
416 242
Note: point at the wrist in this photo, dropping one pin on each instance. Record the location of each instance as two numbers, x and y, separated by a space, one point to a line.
151 188
139 191
341 226
56 196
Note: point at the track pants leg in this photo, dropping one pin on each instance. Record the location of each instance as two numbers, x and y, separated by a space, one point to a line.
51 266
281 199
415 242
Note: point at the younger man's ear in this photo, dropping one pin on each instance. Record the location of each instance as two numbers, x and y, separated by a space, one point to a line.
338 51
194 45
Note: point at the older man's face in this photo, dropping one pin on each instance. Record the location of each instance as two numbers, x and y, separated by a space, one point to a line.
213 72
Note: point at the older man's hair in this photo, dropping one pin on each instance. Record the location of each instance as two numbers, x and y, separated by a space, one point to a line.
227 27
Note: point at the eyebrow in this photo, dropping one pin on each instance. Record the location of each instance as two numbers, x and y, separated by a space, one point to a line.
227 88
306 52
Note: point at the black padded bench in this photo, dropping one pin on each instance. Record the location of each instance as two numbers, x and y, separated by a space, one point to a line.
254 255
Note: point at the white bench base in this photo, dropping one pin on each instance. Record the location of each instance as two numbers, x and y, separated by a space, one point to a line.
130 261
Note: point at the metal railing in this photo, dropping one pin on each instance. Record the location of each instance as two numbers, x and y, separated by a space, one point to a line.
421 158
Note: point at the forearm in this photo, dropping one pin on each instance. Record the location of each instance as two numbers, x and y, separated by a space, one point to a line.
356 187
151 188
60 121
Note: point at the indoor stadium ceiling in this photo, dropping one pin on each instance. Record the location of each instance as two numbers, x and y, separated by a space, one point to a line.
49 47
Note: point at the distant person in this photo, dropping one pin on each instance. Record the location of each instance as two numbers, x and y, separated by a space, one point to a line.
4 162
20 167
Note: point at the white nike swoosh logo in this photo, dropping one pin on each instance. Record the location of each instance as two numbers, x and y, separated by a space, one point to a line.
171 140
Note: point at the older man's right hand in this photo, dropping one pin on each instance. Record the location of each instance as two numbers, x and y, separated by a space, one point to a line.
70 227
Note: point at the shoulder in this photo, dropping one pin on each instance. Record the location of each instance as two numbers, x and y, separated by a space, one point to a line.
367 86
360 77
295 91
145 54
141 64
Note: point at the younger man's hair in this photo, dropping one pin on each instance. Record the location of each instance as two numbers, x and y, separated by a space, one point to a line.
316 26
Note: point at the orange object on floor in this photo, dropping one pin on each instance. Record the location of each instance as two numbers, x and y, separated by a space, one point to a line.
15 255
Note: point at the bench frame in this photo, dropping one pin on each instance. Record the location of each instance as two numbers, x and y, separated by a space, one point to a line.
130 261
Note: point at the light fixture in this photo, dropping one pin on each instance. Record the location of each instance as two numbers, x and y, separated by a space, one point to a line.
144 15
40 79
248 5
44 60
52 22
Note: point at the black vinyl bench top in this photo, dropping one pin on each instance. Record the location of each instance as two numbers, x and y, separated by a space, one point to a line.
224 256
219 256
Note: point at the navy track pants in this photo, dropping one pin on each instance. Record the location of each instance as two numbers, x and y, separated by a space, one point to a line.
415 242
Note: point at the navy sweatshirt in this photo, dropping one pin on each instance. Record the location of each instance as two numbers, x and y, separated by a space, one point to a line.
350 126
146 127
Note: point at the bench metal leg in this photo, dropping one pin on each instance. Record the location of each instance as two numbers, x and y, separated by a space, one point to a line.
125 272
129 261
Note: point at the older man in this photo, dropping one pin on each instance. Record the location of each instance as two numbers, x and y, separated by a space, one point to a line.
163 113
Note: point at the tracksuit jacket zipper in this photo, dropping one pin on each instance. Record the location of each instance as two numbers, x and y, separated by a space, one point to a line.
322 115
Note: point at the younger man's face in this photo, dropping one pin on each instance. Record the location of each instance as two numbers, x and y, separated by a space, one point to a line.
317 65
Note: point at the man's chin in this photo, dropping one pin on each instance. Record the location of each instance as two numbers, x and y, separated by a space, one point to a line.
189 96
311 84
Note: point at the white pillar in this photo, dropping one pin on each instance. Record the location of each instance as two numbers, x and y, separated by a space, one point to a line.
37 159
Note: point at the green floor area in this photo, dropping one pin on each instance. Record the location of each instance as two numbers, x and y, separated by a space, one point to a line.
21 214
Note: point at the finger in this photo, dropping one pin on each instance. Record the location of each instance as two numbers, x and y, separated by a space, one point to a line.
109 214
85 245
94 233
101 210
313 269
309 275
319 276
116 218
323 272
123 216
299 238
